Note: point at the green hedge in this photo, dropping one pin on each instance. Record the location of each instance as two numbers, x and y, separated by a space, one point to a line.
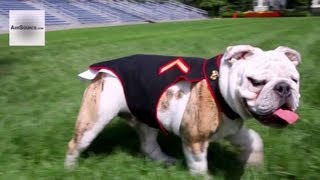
230 14
295 13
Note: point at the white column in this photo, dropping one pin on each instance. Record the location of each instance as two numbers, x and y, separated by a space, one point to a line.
315 4
260 6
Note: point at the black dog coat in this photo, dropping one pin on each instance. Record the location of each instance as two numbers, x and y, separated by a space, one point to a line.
145 77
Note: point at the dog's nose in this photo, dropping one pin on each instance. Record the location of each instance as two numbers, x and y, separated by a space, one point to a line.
283 89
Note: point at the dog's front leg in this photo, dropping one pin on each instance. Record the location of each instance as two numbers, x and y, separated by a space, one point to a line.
200 120
196 157
251 146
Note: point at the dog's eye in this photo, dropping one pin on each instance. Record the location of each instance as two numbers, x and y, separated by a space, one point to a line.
255 82
295 80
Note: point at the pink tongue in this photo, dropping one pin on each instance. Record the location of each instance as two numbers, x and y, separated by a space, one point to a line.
289 116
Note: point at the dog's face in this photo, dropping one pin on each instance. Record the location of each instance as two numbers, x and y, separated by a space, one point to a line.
265 84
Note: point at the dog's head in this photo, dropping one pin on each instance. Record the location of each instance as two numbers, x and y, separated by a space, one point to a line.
264 84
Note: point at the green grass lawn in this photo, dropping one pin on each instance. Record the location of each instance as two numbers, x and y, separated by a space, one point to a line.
40 96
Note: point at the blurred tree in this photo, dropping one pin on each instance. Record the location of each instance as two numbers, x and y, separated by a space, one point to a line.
212 5
299 4
242 5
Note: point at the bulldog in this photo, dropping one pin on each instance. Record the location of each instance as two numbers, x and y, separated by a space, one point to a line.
198 100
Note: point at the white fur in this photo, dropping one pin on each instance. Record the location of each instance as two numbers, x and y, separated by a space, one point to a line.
91 74
171 119
111 103
197 163
71 159
273 66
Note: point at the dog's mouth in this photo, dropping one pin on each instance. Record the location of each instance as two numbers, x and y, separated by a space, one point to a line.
279 118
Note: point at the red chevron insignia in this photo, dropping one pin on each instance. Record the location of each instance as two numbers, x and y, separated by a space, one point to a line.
177 62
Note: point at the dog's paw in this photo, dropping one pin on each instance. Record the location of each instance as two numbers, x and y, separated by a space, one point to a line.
170 161
69 166
252 159
255 159
70 161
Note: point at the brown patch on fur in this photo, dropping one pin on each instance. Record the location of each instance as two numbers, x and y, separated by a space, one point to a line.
201 117
89 108
72 145
178 94
199 147
165 100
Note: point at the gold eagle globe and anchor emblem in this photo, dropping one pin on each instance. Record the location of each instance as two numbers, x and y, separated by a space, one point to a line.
214 75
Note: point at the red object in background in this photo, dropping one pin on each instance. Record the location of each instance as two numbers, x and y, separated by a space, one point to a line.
262 14
235 15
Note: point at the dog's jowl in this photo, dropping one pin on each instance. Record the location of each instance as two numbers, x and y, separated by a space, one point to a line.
198 100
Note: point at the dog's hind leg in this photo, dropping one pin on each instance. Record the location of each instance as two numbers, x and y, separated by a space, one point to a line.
102 101
149 145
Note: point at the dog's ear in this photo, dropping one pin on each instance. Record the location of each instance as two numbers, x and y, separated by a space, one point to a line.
293 55
239 52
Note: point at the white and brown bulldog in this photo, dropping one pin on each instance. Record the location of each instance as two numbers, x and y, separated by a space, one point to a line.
251 83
